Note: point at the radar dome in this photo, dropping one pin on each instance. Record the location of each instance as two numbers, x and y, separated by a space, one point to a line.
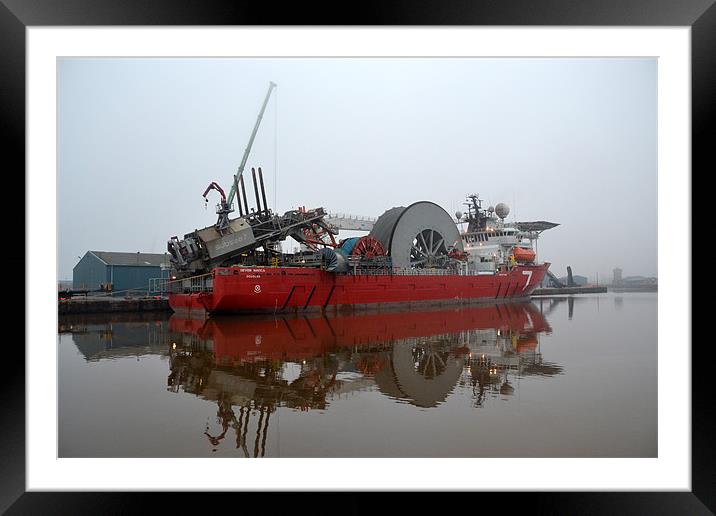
502 210
491 209
458 215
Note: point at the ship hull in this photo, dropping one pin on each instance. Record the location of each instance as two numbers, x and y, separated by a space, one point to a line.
302 289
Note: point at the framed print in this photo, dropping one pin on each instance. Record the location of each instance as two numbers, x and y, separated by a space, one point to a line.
367 147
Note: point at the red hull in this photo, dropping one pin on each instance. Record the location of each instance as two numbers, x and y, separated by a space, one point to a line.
293 289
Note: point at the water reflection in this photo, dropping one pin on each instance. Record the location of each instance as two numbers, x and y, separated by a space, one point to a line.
368 384
112 336
548 304
250 366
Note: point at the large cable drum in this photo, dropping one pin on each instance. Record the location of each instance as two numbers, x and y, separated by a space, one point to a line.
423 374
419 236
383 227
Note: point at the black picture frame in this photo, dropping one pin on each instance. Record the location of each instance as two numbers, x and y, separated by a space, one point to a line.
17 15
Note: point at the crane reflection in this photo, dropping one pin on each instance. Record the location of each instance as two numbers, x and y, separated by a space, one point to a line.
251 366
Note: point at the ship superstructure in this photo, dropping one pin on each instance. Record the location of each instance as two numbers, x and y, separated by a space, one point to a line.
492 243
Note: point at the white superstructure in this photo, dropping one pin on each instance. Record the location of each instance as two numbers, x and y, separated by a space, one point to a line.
493 244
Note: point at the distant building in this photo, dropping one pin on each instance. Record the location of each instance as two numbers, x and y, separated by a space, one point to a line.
120 271
634 281
617 277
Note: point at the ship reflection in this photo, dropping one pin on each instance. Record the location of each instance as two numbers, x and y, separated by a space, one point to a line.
495 360
250 366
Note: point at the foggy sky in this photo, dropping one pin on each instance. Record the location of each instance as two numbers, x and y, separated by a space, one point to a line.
572 141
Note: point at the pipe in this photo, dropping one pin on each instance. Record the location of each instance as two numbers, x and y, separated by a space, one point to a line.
263 191
256 191
243 194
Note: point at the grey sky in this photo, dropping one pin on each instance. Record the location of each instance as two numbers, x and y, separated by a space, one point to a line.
572 141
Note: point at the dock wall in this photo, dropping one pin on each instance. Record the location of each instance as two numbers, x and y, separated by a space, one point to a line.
568 290
80 305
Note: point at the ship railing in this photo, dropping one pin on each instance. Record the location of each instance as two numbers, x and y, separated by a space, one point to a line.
157 286
203 283
192 284
415 272
348 216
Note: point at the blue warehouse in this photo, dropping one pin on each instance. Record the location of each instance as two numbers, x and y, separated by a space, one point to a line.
121 271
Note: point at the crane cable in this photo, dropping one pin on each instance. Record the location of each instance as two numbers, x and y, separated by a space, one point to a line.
275 153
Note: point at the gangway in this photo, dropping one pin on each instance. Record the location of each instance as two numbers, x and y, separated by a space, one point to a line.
553 280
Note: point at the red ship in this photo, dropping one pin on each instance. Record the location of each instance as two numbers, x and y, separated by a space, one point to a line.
415 255
286 289
411 255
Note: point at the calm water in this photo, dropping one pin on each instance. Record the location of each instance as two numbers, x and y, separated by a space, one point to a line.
569 377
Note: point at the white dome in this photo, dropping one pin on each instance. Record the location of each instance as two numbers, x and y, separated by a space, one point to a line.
502 210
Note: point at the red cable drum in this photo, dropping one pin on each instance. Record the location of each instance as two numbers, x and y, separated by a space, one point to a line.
368 247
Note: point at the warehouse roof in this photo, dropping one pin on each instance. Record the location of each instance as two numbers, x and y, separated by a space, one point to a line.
136 259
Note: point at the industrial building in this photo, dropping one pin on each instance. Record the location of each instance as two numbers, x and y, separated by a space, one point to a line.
617 277
577 280
118 272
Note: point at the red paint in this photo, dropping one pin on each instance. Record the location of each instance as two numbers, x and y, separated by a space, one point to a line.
238 340
287 289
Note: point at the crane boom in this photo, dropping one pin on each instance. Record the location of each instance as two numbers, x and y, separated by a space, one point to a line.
240 171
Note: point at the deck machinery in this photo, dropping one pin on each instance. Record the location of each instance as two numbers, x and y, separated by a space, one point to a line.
237 240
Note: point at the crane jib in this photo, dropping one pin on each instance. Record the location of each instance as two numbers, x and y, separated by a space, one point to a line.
240 171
